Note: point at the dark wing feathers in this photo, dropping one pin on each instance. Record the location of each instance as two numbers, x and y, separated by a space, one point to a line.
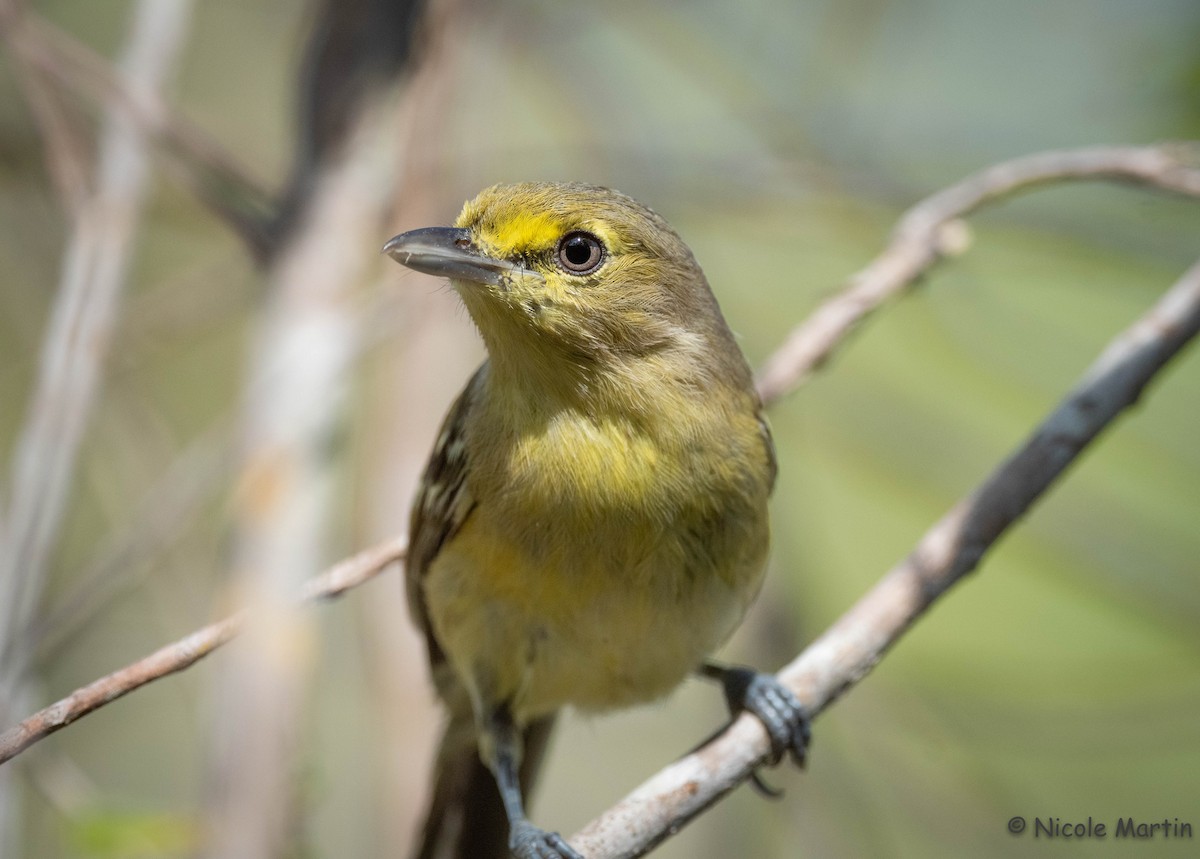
443 503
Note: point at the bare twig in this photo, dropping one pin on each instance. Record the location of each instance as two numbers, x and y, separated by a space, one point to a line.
66 147
211 173
932 230
949 550
185 652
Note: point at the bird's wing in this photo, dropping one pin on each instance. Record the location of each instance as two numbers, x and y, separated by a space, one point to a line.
769 443
443 503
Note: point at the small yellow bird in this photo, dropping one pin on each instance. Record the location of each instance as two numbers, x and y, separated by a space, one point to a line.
592 522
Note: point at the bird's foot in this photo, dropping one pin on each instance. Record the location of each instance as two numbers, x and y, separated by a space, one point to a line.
526 841
776 706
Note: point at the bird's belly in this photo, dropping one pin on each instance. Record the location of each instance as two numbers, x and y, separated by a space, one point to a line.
597 629
623 647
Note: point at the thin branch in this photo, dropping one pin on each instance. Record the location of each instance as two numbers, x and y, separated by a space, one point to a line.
932 230
949 550
185 652
67 149
208 170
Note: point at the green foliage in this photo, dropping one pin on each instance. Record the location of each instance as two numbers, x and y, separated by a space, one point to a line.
114 834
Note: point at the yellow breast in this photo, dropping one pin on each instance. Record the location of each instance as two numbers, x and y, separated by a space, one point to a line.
587 574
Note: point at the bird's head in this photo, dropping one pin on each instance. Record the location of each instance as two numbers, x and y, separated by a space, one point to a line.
569 273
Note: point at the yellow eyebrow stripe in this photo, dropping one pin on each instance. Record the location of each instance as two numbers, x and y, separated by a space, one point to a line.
521 233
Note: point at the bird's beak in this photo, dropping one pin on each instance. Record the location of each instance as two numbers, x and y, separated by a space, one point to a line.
450 252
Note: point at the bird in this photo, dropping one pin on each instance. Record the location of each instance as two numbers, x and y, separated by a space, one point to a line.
592 523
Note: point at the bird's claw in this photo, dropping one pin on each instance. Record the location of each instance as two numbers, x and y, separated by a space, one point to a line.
777 707
526 841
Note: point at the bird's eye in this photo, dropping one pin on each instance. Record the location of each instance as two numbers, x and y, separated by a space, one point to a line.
580 253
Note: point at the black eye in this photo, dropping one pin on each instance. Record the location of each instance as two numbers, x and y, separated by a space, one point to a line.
580 253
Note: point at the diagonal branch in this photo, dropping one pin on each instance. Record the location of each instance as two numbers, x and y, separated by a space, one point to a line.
65 145
932 230
209 171
188 650
949 550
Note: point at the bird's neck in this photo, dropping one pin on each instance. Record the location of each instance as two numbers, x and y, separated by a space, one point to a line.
542 378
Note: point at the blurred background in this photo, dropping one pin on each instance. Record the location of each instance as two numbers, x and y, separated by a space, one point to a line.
211 387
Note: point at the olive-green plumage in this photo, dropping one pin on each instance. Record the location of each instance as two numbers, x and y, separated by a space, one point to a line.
593 520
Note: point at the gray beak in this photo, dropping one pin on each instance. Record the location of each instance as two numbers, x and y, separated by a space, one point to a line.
450 252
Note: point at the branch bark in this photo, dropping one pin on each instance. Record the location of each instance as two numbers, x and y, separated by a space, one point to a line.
933 229
188 650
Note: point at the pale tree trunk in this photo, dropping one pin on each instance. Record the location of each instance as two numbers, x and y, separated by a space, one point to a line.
103 231
336 213
417 373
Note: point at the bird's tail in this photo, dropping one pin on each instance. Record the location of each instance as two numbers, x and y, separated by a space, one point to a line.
466 819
